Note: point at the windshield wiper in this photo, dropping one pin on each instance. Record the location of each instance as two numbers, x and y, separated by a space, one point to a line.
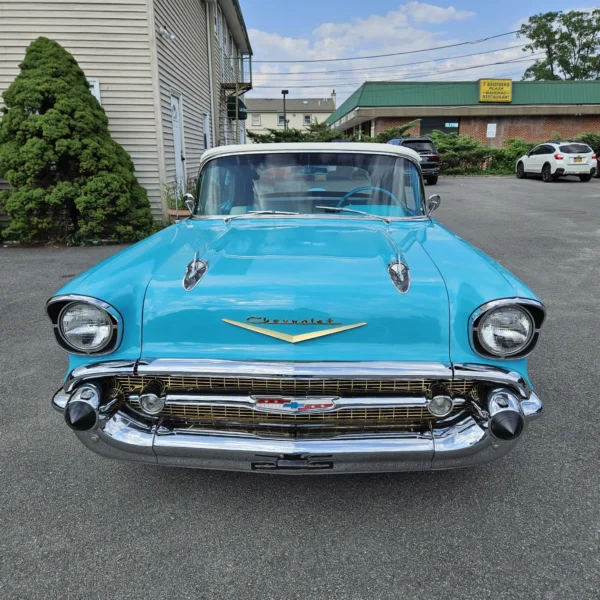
256 213
356 212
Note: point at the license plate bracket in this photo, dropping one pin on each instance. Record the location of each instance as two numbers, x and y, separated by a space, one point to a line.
293 462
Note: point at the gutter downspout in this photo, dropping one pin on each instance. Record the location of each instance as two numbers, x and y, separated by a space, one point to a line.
210 30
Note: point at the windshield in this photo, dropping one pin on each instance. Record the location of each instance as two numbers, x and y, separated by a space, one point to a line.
311 183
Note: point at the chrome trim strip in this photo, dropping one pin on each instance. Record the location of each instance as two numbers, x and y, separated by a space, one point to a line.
332 370
200 399
311 216
493 304
337 370
111 310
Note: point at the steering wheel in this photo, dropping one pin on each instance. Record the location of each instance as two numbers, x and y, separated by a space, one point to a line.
344 200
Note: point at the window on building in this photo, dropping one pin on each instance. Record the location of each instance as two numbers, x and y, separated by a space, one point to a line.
445 124
206 131
218 19
281 120
256 120
95 89
307 120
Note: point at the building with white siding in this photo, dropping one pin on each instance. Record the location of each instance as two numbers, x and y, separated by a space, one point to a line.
162 70
267 113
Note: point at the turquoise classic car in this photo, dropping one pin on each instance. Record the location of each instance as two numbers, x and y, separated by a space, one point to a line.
309 316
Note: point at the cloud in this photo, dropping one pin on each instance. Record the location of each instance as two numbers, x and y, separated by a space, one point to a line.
413 26
421 12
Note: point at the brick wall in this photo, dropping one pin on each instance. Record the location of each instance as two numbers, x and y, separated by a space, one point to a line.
384 123
530 128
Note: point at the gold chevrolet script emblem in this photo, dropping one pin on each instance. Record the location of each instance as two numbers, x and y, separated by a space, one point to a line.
286 337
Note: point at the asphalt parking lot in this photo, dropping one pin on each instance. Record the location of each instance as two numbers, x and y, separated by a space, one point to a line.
74 525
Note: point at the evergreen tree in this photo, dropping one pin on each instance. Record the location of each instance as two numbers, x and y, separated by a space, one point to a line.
68 177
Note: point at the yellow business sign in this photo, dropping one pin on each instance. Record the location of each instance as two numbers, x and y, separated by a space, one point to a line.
495 90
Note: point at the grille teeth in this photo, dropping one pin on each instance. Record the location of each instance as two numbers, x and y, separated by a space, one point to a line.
244 419
294 387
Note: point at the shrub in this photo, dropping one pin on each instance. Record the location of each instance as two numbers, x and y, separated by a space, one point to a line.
592 140
68 177
461 154
503 160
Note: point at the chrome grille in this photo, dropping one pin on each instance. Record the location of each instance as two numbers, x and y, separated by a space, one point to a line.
245 419
295 386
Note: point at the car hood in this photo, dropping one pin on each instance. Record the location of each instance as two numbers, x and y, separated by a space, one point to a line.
292 277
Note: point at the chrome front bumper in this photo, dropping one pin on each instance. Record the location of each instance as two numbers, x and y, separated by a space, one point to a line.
462 444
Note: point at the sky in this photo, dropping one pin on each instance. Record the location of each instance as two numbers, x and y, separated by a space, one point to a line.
286 30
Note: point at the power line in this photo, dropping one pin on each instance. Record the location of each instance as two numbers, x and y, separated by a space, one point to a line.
448 79
320 60
418 62
408 77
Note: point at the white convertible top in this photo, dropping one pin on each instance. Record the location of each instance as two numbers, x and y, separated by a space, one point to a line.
355 147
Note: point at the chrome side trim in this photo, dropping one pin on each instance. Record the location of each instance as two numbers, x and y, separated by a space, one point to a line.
523 303
113 313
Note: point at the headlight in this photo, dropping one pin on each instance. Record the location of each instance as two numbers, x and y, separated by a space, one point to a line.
506 328
505 331
85 327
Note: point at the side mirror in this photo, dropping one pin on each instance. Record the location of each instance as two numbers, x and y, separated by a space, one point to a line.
190 202
433 202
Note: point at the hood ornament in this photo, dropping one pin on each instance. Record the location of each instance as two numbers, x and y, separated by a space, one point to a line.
194 273
400 276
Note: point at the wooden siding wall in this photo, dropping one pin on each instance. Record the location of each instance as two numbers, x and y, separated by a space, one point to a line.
110 40
183 70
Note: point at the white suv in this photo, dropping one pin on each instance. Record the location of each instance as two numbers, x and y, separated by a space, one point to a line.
555 159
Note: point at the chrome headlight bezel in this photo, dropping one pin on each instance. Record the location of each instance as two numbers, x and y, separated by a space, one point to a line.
56 307
532 308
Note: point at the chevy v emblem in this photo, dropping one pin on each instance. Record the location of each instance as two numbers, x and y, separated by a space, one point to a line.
293 339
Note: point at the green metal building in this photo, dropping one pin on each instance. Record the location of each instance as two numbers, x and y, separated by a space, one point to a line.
491 110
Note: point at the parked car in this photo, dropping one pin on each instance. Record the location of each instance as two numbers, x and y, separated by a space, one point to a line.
552 160
430 157
292 327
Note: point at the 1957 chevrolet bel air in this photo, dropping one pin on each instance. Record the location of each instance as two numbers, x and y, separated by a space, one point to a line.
310 316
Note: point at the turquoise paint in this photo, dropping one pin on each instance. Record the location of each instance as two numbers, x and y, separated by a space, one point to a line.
305 268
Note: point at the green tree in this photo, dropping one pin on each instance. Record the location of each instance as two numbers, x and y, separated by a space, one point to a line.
395 132
570 42
68 177
321 132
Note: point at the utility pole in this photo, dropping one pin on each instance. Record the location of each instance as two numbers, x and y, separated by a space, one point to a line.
284 93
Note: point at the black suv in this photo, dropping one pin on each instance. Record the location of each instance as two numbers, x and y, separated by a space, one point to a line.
430 157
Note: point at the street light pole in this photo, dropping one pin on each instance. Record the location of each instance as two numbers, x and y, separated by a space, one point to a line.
284 94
